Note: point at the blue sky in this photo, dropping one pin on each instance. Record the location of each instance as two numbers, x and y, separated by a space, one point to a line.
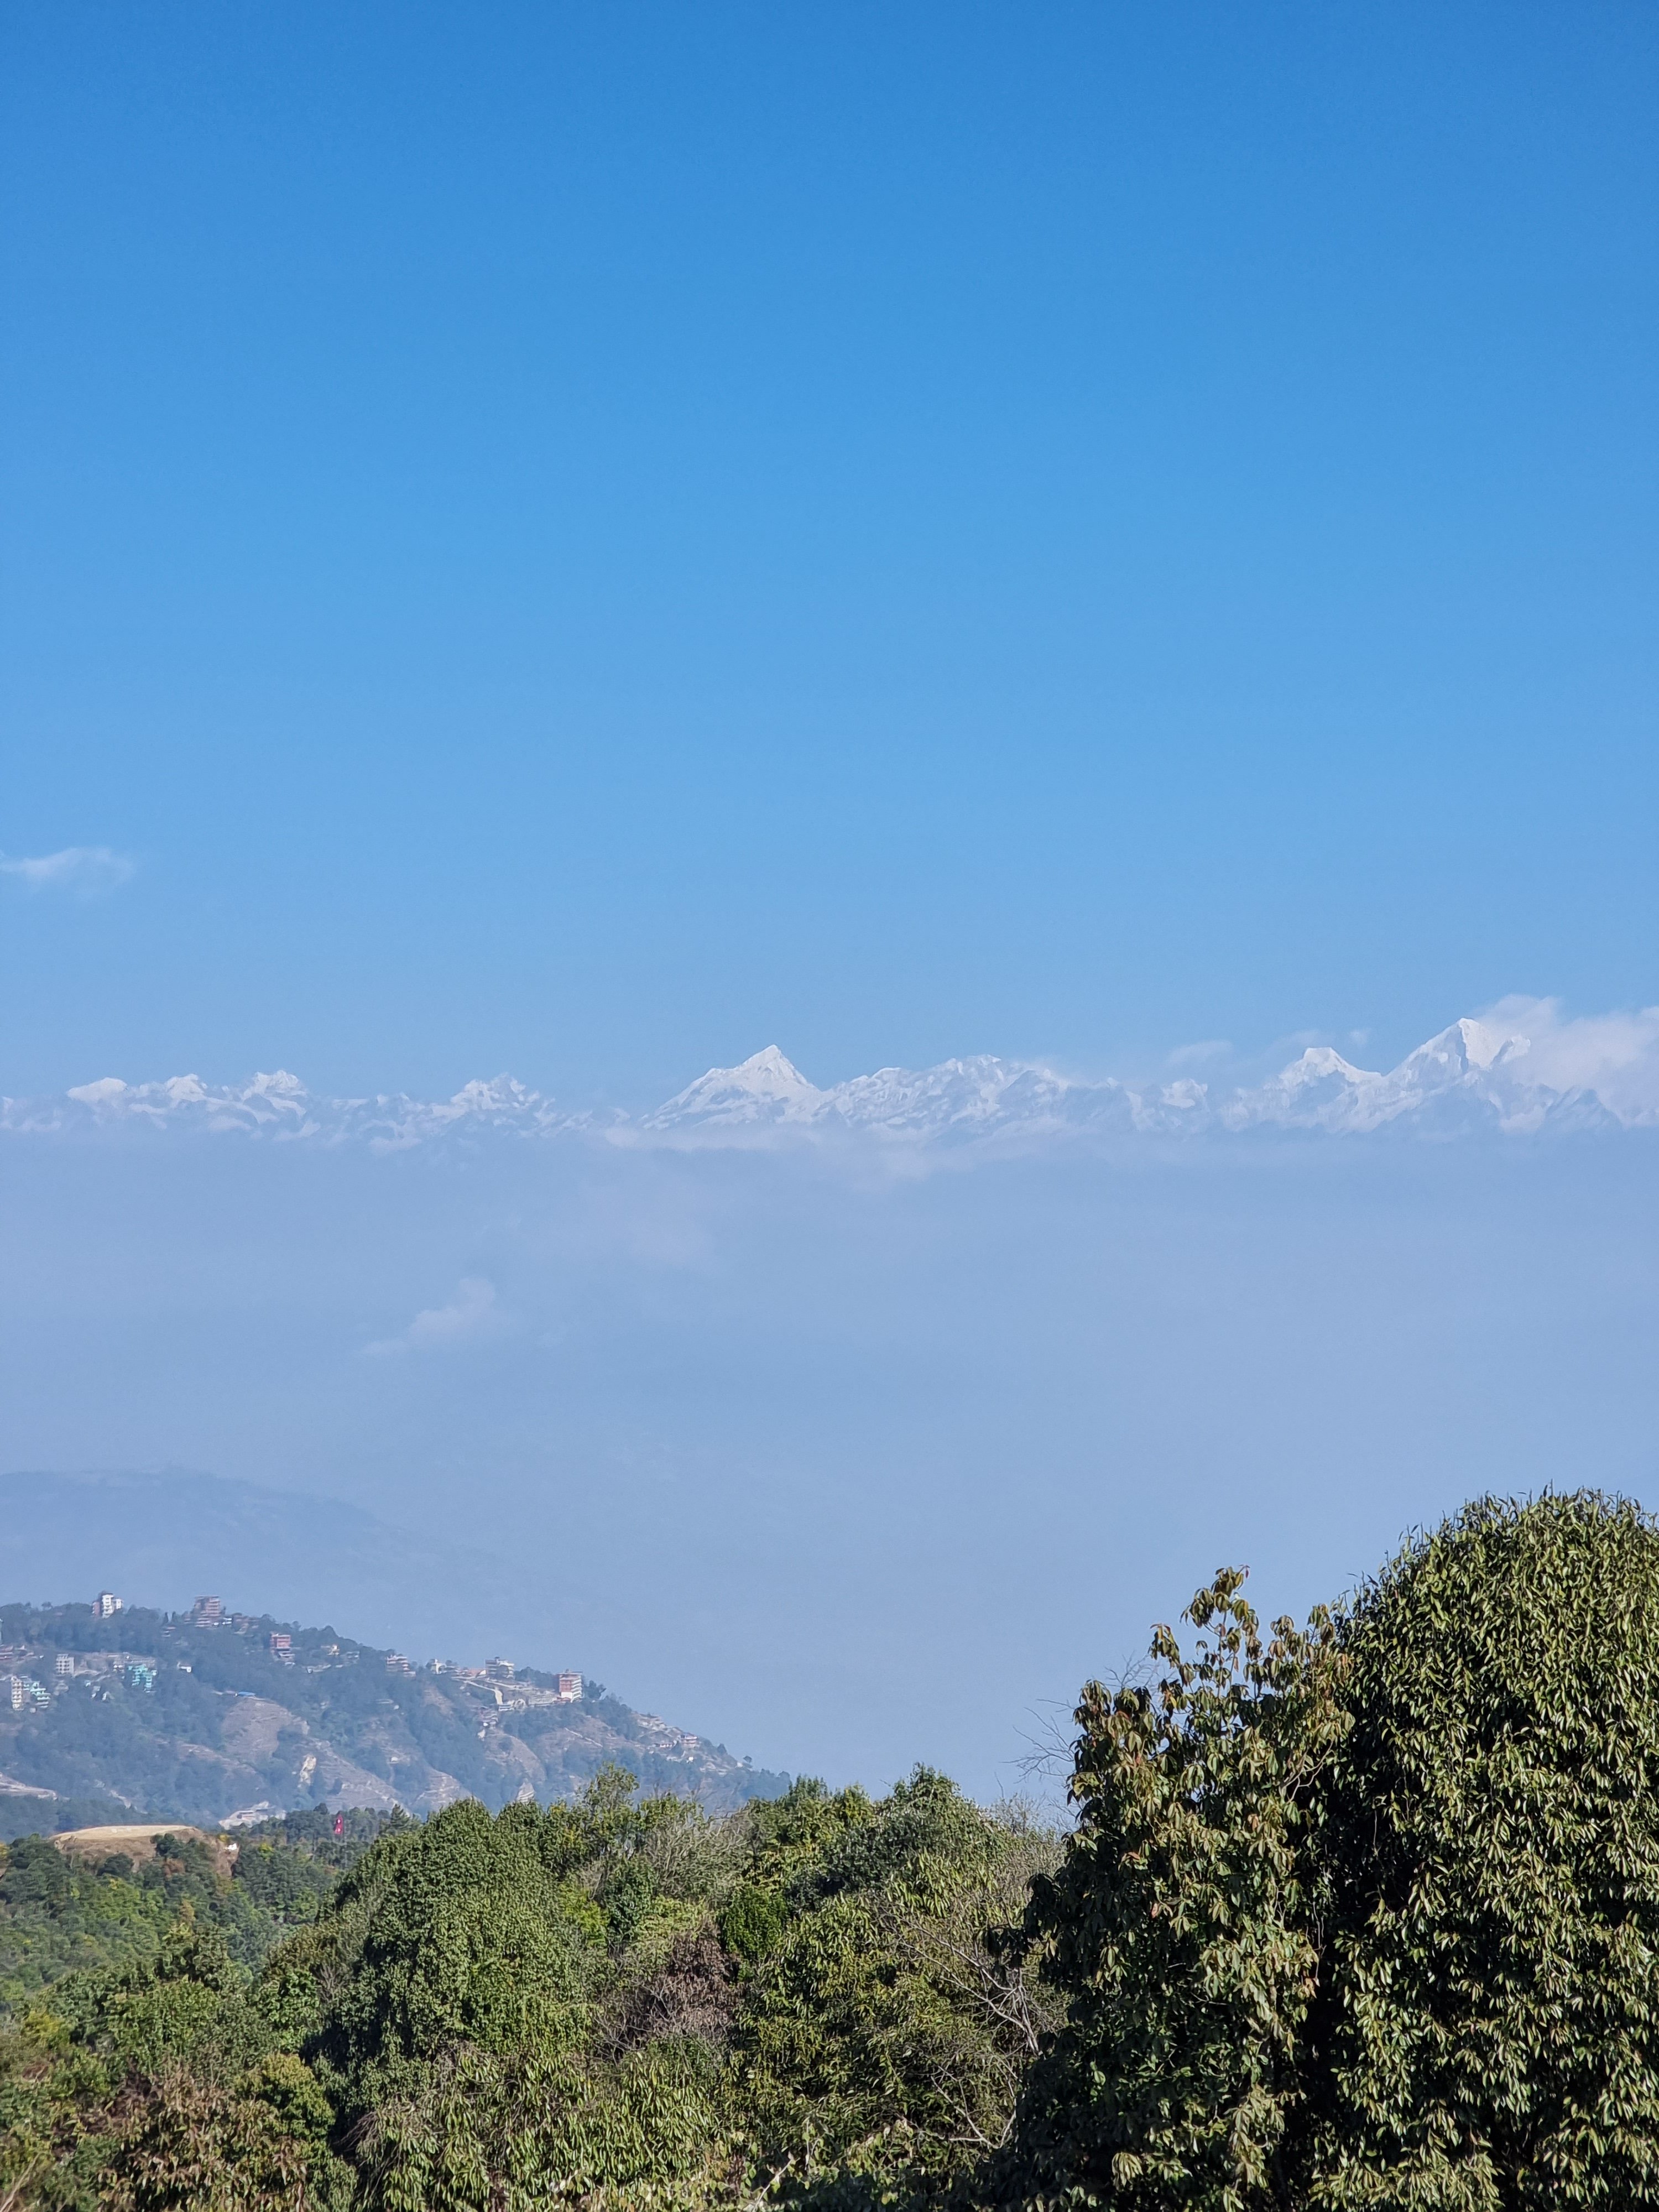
586 540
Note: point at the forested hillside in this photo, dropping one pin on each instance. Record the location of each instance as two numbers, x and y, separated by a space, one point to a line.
82 1910
1360 1914
159 1715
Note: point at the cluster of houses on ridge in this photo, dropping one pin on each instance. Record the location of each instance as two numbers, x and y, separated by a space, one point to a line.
497 1678
499 1681
95 1668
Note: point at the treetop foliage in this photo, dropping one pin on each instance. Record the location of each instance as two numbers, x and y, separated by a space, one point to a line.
1368 1914
1361 1913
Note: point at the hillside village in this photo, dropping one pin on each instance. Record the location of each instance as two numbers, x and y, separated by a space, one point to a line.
228 1718
516 1689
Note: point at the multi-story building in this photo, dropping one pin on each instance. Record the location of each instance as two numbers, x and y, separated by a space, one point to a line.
207 1613
569 1688
106 1606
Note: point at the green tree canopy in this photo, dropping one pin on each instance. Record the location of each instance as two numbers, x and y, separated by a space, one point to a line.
1367 1914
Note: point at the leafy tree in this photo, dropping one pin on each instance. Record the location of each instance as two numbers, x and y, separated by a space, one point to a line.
878 2030
1368 1914
51 2098
184 2145
1490 2036
464 1939
178 2143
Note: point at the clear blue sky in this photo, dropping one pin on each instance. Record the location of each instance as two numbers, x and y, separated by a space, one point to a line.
588 539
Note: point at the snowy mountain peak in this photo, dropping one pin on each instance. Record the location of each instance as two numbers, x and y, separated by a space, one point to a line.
767 1070
1597 1071
1320 1063
1482 1044
764 1090
1466 1047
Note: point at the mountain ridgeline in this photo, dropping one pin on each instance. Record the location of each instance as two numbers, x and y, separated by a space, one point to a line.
134 1714
1475 1074
1354 1917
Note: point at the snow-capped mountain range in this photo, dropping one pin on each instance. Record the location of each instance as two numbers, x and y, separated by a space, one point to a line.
1520 1068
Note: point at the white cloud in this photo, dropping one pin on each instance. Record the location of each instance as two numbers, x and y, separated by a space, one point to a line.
85 870
1615 1055
471 1313
1205 1053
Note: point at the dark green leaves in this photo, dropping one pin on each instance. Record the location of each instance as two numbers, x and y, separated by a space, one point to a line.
1368 1914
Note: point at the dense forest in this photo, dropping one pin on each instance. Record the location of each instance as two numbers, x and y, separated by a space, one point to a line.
96 1906
1360 1913
167 1716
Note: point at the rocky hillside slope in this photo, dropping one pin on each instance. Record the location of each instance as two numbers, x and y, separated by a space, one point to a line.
181 1717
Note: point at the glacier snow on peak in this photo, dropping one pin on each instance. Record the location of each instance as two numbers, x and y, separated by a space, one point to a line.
764 1090
1524 1067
